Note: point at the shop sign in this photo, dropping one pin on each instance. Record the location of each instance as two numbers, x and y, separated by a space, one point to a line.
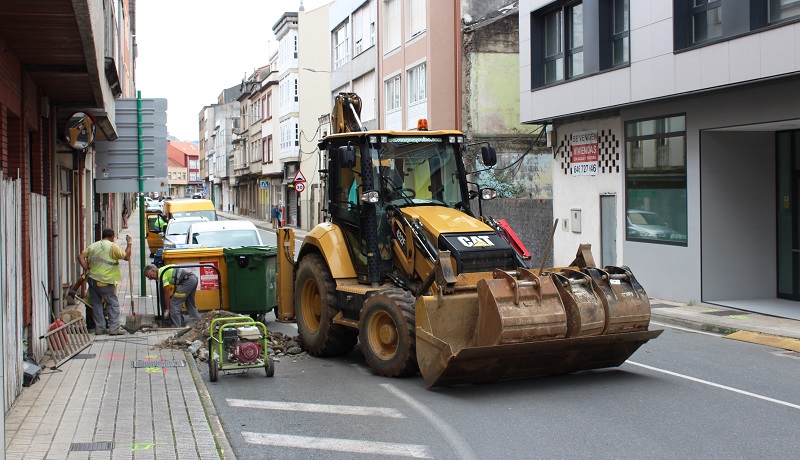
583 158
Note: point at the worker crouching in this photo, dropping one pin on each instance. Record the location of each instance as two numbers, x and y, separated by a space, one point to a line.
185 286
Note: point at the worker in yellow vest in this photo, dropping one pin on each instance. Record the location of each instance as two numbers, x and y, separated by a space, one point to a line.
100 262
185 283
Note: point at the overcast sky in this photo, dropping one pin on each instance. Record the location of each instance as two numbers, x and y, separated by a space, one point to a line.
190 50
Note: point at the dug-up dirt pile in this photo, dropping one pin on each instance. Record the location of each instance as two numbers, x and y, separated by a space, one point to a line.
196 339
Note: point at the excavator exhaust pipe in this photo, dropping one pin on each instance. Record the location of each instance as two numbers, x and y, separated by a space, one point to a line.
527 324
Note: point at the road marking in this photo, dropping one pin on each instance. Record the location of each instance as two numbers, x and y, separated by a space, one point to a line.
717 385
339 445
686 329
457 443
318 408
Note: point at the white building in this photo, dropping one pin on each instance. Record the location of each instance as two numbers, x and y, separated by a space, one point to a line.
684 122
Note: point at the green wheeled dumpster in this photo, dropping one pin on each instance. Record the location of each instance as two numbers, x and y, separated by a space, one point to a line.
252 279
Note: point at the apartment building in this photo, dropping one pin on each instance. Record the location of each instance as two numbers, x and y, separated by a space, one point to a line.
183 168
217 124
354 54
286 33
314 108
419 60
675 134
248 145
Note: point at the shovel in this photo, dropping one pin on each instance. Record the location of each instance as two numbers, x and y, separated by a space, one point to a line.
132 322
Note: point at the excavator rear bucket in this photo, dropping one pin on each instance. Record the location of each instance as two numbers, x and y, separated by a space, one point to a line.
523 324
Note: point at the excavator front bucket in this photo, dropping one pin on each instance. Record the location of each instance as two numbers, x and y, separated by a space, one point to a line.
524 324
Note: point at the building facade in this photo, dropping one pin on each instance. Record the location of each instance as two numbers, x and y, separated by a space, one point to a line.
674 133
74 63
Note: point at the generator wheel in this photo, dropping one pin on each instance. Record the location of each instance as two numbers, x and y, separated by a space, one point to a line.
213 372
387 334
270 368
315 305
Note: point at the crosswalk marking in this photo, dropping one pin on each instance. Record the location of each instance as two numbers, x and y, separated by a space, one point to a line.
318 408
339 445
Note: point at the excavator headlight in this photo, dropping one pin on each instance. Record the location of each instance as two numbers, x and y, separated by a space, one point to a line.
451 139
371 196
488 193
373 139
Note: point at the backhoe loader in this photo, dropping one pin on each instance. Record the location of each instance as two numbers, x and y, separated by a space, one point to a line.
404 266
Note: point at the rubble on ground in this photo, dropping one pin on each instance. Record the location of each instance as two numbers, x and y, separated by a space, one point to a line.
195 339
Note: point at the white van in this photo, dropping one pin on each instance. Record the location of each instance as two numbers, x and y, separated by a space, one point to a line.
224 234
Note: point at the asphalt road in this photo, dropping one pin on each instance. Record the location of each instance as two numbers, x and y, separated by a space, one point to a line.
683 395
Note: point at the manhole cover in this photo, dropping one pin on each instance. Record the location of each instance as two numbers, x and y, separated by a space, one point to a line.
154 363
84 356
725 312
91 446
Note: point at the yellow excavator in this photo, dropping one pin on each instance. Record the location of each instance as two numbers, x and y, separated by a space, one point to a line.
405 266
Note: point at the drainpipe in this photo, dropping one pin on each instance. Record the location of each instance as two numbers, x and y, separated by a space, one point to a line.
54 194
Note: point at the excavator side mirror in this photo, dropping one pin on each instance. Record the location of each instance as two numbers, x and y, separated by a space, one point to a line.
489 156
347 156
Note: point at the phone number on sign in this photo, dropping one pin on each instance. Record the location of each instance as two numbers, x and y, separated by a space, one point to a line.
584 169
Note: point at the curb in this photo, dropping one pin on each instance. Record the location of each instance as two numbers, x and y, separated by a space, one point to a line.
695 325
211 411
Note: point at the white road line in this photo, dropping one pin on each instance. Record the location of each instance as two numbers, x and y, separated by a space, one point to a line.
686 329
717 385
318 408
457 443
339 445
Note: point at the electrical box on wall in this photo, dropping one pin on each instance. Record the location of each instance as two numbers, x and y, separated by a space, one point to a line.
565 225
575 216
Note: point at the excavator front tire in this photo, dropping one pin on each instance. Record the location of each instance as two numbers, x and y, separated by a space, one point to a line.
315 305
386 331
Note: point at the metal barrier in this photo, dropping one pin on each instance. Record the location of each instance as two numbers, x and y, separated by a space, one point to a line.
68 340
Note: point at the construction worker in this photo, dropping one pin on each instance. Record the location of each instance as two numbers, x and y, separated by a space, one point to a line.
185 283
161 223
100 262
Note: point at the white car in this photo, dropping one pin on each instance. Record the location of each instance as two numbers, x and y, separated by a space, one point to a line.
224 234
178 227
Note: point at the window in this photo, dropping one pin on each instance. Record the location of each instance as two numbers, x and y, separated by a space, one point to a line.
574 40
706 20
655 180
780 10
268 157
393 94
341 45
269 105
392 30
553 53
620 32
416 84
296 93
364 28
416 14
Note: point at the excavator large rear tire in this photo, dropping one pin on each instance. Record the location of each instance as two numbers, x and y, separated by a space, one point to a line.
315 305
387 333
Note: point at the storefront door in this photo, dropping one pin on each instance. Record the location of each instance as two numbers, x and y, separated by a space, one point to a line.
788 212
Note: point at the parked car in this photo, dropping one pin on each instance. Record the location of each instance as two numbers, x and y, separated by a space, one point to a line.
176 230
154 206
197 196
224 233
647 224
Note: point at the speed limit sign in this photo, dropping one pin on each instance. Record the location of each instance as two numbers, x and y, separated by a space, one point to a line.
299 187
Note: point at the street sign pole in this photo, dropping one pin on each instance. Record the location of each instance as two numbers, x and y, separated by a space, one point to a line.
142 220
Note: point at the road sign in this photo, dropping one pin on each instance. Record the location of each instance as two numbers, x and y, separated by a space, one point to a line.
263 184
299 177
299 187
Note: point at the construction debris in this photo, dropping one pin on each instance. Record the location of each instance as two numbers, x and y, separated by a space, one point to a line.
196 339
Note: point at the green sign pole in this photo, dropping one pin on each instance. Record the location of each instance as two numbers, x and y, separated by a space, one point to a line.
142 220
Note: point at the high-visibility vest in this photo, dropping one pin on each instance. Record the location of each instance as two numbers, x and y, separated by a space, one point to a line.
102 267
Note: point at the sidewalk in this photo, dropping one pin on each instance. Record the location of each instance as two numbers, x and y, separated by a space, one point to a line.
111 402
